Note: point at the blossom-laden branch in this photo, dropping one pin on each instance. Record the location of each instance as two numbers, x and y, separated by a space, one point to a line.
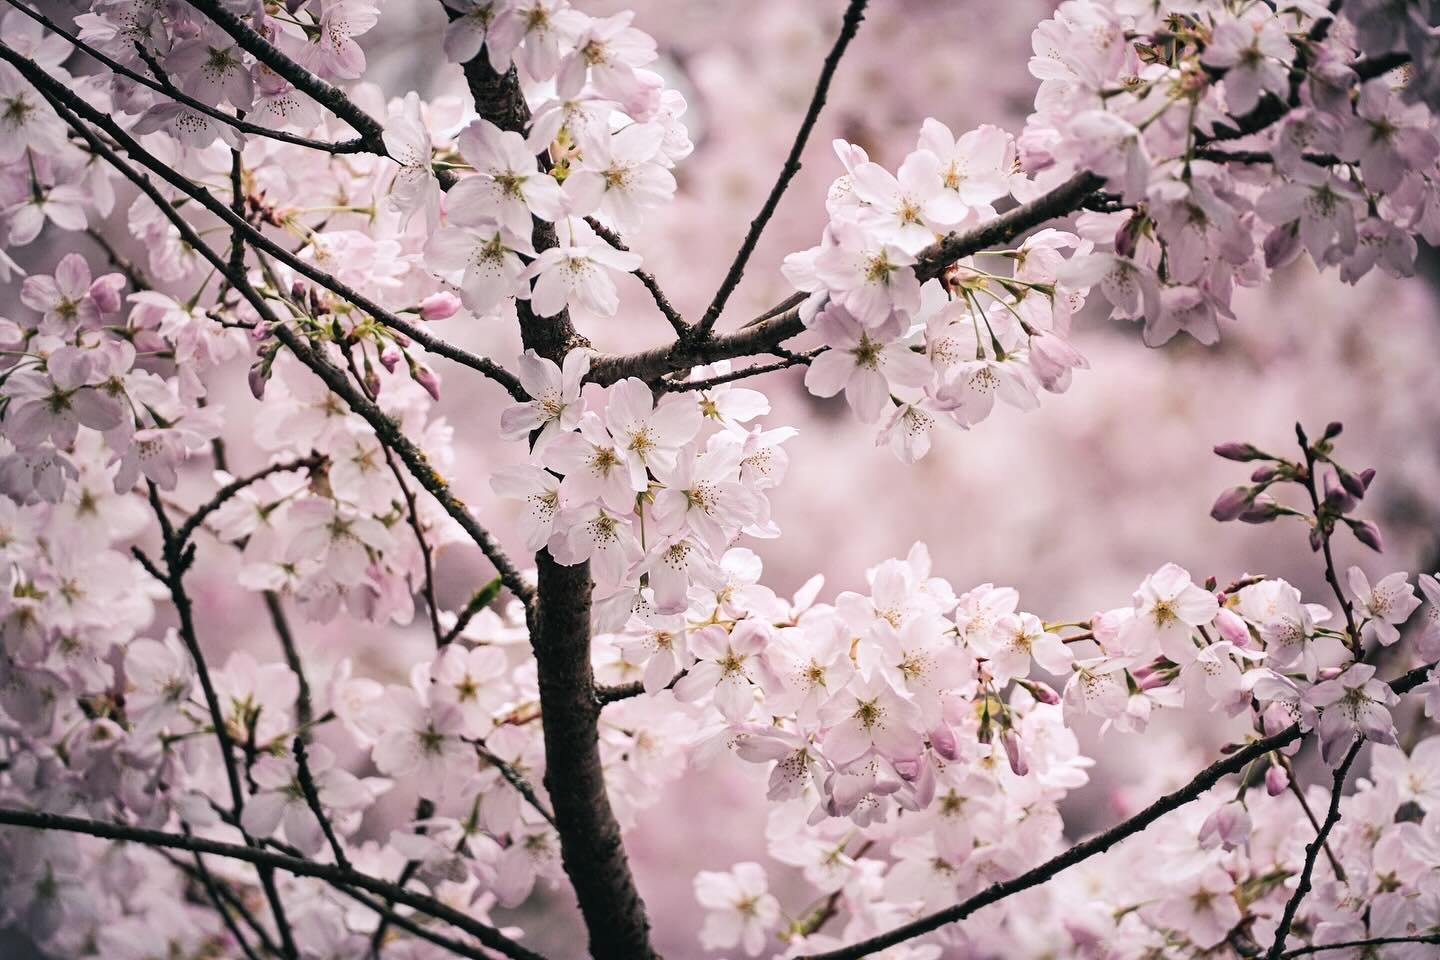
372 134
161 84
773 330
1236 762
385 428
57 91
337 876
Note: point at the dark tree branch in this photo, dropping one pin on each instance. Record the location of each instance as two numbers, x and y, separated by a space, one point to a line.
765 334
162 84
1312 853
685 386
298 866
193 522
677 322
1348 944
330 97
854 13
591 847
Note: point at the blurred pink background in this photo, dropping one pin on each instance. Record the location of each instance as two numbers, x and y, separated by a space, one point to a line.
1072 504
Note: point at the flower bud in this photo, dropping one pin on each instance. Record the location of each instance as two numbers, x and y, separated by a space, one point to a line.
1127 238
427 378
390 357
1232 503
1015 753
1242 452
1265 474
1317 539
372 378
1228 826
1042 692
1337 497
1262 509
1332 430
1368 534
258 376
1232 627
943 742
1277 780
439 306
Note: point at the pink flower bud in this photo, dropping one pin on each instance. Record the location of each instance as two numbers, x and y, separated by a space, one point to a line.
258 376
1277 781
1232 627
1233 502
427 378
390 357
943 742
1235 450
439 306
1042 692
105 291
1368 534
1015 753
1228 826
1262 509
1337 496
908 769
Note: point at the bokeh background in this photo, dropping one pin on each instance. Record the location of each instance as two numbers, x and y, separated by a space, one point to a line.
1072 504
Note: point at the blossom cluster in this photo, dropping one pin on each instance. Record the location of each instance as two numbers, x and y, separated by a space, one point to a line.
1334 156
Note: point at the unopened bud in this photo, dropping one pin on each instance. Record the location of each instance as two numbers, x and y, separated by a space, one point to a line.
1368 534
372 378
427 378
1232 503
1265 474
943 742
1042 692
1262 509
1242 452
390 357
1277 780
439 306
1337 496
1015 753
258 376
1332 430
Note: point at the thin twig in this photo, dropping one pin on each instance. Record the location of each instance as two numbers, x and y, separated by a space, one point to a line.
1312 852
854 13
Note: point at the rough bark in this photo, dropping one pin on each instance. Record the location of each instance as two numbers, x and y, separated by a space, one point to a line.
591 847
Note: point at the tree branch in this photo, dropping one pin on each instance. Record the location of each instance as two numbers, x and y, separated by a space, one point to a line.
1312 853
774 328
854 13
1099 843
55 91
162 84
330 97
591 847
297 866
